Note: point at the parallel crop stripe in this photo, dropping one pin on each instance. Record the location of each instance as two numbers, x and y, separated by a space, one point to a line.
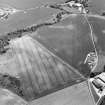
54 67
49 70
26 65
30 66
42 67
38 72
22 69
47 79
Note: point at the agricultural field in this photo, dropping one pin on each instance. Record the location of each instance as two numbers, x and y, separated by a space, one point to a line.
48 51
67 96
39 71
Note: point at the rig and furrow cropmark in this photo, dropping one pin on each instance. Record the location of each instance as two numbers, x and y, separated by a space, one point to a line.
40 72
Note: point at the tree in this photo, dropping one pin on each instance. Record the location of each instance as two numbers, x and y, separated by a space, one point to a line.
103 14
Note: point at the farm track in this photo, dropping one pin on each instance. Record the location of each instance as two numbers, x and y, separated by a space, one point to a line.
92 38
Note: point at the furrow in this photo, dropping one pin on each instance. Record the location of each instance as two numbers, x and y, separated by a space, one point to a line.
69 66
49 70
70 75
54 66
38 72
26 62
30 64
27 65
43 71
56 70
23 75
47 79
42 68
63 70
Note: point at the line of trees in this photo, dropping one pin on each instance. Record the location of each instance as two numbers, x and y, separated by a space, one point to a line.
4 39
11 83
